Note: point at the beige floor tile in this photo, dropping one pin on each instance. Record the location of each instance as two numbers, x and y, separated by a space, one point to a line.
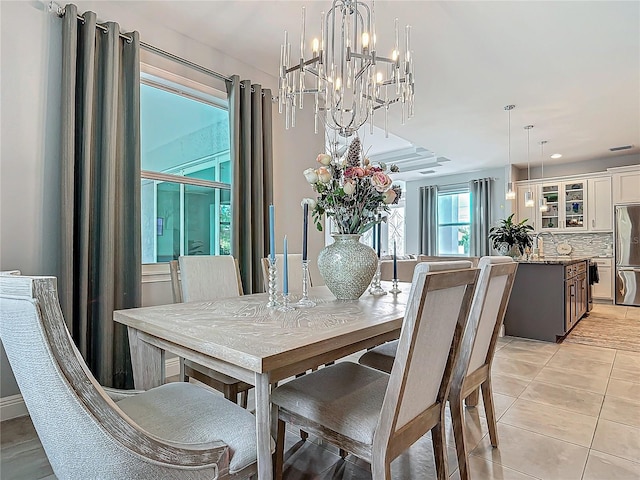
475 427
524 354
579 363
501 404
633 313
624 389
617 439
483 469
573 379
621 410
628 361
622 374
534 345
600 354
554 422
515 368
566 398
505 385
602 466
534 454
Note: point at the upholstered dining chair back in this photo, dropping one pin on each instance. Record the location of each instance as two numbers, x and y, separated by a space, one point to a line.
427 349
205 277
489 305
295 272
85 434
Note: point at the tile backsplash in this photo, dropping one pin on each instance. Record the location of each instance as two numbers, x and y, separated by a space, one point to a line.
584 244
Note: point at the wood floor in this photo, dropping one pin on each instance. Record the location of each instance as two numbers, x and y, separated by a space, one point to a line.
565 412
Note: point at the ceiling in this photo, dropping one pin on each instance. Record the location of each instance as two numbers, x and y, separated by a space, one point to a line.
572 69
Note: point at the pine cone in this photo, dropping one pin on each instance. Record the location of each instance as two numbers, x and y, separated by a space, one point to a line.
353 154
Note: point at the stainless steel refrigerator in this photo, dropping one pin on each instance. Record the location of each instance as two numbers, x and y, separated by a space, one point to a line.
627 233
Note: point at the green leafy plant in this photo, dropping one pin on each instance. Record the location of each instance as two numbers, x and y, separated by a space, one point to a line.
513 234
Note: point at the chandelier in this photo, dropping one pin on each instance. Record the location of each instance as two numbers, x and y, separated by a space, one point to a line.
345 79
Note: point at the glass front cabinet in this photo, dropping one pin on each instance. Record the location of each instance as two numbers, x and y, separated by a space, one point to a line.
566 206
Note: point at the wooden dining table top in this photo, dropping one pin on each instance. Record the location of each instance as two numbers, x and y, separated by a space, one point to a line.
245 332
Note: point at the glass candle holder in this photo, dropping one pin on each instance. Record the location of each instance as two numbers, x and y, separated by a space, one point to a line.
285 306
376 289
305 301
273 273
395 290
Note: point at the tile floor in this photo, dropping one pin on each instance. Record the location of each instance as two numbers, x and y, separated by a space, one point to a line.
565 412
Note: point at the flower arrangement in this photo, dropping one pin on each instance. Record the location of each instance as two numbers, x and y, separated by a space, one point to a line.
351 191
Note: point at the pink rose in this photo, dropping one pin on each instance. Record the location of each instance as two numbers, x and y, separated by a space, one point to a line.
324 159
381 181
389 196
352 172
324 175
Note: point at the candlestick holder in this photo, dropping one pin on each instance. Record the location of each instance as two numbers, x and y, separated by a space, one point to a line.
376 289
395 290
286 305
305 301
273 294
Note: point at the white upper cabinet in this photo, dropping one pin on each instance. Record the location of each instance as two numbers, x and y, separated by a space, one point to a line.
599 205
566 202
626 184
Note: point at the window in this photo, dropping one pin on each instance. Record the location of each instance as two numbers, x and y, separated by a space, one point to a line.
186 172
453 223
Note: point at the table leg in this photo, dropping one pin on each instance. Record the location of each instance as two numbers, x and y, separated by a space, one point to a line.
263 426
147 362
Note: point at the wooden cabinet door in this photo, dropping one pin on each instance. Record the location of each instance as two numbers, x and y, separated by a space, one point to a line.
599 205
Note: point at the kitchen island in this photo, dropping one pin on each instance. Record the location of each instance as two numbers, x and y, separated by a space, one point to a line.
548 299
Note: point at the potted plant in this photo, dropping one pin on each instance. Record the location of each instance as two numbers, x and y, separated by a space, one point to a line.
510 235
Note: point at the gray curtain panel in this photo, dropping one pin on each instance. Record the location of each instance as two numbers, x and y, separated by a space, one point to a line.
428 220
100 267
480 216
252 190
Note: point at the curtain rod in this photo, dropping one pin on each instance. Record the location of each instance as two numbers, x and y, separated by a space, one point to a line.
59 11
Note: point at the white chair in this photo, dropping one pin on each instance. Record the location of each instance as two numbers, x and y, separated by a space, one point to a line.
295 272
202 278
377 416
177 430
382 356
473 369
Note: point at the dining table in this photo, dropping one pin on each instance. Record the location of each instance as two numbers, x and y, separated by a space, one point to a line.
260 345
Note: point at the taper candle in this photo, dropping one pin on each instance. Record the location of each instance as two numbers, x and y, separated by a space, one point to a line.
272 234
378 242
395 262
305 226
285 269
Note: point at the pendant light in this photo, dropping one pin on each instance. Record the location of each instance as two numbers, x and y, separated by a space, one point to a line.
511 194
528 195
542 204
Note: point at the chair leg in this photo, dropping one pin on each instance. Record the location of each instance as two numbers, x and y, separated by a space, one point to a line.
303 435
472 398
278 464
380 468
489 411
457 419
244 397
343 453
438 437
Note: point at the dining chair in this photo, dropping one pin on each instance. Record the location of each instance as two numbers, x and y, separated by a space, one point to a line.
201 278
377 416
382 356
295 272
176 430
473 369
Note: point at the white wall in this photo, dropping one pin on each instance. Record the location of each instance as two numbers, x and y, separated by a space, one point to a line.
30 132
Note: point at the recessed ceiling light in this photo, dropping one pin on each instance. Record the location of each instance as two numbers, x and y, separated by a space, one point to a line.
556 155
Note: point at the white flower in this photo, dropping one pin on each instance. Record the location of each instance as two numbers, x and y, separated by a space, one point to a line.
349 188
311 175
324 159
308 201
323 174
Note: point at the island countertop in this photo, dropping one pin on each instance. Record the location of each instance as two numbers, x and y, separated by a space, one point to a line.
556 260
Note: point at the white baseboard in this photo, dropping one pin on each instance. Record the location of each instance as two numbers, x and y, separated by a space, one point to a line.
13 406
